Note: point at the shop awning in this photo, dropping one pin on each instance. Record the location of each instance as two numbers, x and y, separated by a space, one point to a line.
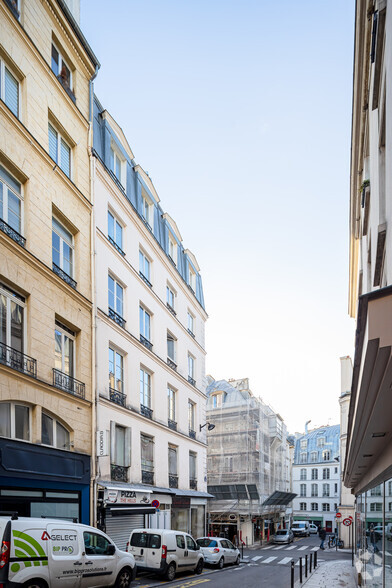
109 485
278 498
234 492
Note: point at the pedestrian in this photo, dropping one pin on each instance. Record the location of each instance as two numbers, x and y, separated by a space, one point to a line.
322 535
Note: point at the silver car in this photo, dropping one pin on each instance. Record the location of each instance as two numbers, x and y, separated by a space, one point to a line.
218 551
283 536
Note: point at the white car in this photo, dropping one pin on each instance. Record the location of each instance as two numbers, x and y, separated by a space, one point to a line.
218 551
313 528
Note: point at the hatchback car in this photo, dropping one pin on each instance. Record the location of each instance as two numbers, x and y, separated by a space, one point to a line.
283 536
218 551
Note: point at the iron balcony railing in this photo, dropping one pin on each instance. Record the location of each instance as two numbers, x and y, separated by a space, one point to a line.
171 309
145 411
18 361
191 381
119 473
68 383
116 318
173 481
146 342
149 227
192 434
147 477
172 424
192 483
64 276
171 363
117 397
12 233
113 242
146 280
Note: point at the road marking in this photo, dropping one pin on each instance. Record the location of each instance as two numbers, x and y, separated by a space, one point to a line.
315 548
268 547
193 583
268 560
256 558
292 547
302 548
285 560
246 556
280 547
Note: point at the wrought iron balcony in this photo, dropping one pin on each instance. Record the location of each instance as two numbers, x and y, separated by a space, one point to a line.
191 381
65 84
117 397
116 246
192 334
146 280
191 289
68 384
145 411
119 473
18 361
116 318
172 260
149 227
147 477
171 309
12 233
171 363
172 424
61 274
173 481
146 342
192 483
192 434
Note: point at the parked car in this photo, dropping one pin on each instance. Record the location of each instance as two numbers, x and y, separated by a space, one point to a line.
283 536
313 528
300 528
165 552
378 532
36 552
218 552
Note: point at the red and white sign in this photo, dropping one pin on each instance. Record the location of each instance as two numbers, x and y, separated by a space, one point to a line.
338 515
351 518
347 522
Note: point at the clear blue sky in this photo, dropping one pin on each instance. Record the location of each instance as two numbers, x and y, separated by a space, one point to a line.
241 114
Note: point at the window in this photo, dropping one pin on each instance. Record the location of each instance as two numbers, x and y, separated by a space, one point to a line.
115 233
171 404
60 68
12 309
171 347
116 370
376 491
302 506
9 89
170 297
314 474
326 473
326 455
192 279
192 470
144 268
325 489
62 248
15 421
96 544
145 325
320 441
302 490
191 323
313 456
145 388
180 541
304 444
314 490
191 416
191 369
119 455
120 451
172 460
335 506
303 474
375 507
336 470
11 204
116 297
302 457
172 249
325 507
117 165
64 349
146 210
217 400
59 151
54 433
147 458
314 506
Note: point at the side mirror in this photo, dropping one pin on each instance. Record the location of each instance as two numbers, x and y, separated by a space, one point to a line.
111 550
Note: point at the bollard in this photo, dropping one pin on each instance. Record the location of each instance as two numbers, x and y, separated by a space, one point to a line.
300 570
242 550
306 566
310 563
292 574
315 559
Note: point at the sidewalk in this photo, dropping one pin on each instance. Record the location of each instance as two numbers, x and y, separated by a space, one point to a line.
332 573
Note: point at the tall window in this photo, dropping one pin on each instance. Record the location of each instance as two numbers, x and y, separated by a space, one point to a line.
116 165
302 506
62 248
116 296
145 323
170 297
116 370
191 323
302 490
191 415
171 404
147 458
304 444
314 506
192 278
320 441
60 68
120 451
172 463
64 349
10 201
314 456
171 347
115 232
12 308
172 249
14 421
9 89
59 150
145 388
146 210
303 457
191 369
303 474
325 489
192 468
119 457
326 473
326 455
144 266
314 490
325 506
54 433
314 474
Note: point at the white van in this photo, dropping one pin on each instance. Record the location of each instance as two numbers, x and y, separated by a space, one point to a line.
52 553
300 528
165 552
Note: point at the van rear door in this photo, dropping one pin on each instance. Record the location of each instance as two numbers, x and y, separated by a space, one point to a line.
154 551
64 550
138 546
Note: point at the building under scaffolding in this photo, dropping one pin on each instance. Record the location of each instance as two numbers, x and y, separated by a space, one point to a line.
248 464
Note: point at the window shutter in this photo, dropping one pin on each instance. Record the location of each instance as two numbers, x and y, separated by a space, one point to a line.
53 143
128 446
112 442
11 92
65 158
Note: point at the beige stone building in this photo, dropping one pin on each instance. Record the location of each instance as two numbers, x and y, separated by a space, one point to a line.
46 375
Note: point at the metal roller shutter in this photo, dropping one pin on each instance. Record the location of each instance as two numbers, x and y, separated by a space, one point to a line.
119 528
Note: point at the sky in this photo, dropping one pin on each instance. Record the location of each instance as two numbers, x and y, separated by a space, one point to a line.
241 114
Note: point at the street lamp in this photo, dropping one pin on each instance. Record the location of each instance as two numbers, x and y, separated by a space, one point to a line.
210 426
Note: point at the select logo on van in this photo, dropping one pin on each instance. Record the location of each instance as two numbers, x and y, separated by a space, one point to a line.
27 551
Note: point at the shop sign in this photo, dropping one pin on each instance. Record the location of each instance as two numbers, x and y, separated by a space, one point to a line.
126 497
102 443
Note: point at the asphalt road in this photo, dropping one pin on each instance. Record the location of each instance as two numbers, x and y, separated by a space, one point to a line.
263 567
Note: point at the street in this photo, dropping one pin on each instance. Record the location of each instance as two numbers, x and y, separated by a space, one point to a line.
268 566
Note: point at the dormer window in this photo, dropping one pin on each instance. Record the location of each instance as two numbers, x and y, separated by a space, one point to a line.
192 279
172 249
117 165
147 215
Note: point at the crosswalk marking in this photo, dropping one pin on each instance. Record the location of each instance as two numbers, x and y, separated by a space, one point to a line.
315 548
269 559
280 547
302 548
256 558
285 560
268 547
292 547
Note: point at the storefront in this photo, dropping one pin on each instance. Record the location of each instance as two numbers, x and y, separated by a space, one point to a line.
188 513
37 481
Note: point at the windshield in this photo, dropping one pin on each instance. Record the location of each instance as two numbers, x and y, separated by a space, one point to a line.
206 542
284 532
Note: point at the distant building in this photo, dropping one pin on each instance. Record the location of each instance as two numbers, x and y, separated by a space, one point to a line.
316 476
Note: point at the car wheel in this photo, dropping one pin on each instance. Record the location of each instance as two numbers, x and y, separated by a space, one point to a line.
199 567
171 572
237 561
35 584
124 578
221 563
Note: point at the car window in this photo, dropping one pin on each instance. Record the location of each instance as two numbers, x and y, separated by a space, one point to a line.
206 542
190 543
139 539
95 544
224 544
281 532
180 541
155 541
230 545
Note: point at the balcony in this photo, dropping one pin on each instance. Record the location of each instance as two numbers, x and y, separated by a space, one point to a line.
192 434
146 342
172 425
117 397
191 381
145 411
149 227
68 384
193 483
171 364
12 233
172 260
192 334
171 309
117 318
18 361
116 246
173 481
64 82
119 473
146 280
61 274
147 477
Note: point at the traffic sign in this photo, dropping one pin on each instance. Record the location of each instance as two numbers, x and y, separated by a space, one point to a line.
155 503
347 522
351 518
338 515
